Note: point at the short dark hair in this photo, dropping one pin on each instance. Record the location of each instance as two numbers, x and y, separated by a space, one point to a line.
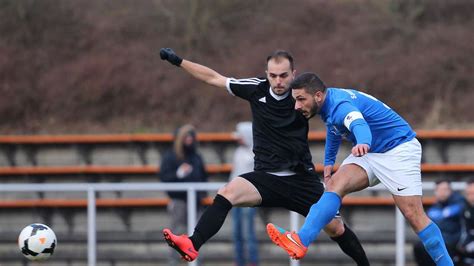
279 54
308 81
443 180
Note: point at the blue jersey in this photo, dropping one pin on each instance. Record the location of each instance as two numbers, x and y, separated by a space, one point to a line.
361 119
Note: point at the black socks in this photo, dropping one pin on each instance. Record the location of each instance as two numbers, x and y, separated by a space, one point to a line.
214 216
350 244
211 221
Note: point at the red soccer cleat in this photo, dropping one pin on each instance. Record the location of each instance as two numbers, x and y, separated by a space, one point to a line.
182 244
289 241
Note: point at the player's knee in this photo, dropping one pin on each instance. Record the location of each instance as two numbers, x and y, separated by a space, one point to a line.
339 230
336 187
331 185
335 228
226 192
231 193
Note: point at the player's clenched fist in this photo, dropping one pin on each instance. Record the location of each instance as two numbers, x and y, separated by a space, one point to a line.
169 55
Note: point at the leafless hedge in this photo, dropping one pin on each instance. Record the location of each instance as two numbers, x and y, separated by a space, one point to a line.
92 66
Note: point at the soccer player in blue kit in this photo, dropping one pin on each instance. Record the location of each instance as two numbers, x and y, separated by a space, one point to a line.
385 150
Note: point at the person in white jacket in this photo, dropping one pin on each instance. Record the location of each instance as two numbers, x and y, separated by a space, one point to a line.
245 239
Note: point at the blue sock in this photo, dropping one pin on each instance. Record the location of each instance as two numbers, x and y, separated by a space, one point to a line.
320 214
434 244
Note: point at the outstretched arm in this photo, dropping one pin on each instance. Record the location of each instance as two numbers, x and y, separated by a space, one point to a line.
204 73
198 71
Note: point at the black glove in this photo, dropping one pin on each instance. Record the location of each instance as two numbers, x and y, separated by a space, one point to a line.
169 55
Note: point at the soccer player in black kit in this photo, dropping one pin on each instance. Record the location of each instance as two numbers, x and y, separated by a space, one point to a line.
283 173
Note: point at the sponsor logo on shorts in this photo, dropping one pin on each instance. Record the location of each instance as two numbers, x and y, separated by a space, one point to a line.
401 188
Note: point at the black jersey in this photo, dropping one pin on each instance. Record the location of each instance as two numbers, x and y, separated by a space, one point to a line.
280 133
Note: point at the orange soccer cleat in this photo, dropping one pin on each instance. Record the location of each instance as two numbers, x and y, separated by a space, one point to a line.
182 244
289 241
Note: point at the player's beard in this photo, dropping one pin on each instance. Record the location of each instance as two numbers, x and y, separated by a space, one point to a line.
314 110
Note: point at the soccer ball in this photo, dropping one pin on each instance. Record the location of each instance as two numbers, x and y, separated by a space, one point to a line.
37 242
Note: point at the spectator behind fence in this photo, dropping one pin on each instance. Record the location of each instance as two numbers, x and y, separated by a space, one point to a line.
466 244
245 239
446 213
182 163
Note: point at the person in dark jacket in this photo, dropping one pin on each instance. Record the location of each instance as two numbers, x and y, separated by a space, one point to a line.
182 163
466 244
446 213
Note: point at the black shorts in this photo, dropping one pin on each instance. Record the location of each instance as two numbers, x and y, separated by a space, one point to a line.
295 192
